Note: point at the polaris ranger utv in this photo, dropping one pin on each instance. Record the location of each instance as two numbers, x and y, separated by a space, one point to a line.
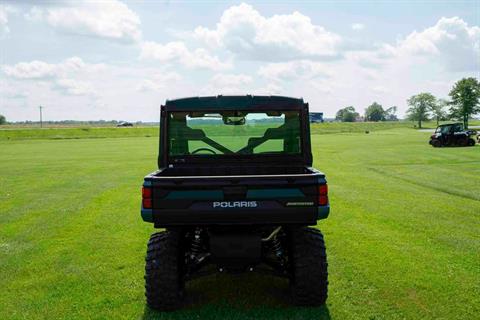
235 191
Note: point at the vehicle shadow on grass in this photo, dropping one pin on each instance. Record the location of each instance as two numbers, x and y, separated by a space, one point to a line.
244 296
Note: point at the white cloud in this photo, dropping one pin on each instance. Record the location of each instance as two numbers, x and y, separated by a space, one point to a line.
272 88
380 90
74 87
450 43
323 87
451 40
30 70
4 29
293 70
158 82
62 76
374 59
149 85
238 84
10 91
178 52
245 32
209 37
231 80
104 19
358 26
35 14
221 83
43 70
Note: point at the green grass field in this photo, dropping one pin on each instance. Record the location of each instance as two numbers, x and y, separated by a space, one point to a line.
403 236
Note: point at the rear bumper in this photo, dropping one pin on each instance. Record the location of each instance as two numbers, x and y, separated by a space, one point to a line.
323 212
166 218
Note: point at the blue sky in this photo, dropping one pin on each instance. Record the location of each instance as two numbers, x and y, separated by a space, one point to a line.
120 60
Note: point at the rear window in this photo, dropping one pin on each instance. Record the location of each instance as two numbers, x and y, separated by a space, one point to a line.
233 133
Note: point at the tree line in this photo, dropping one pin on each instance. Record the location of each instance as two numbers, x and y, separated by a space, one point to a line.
373 112
463 104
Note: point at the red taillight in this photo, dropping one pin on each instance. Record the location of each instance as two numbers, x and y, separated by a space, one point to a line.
147 198
146 192
147 203
323 195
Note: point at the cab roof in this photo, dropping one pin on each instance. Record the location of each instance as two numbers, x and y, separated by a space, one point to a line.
247 102
449 124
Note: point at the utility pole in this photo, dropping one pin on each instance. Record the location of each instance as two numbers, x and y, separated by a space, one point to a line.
41 122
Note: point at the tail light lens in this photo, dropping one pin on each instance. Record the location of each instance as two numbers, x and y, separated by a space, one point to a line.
147 198
322 195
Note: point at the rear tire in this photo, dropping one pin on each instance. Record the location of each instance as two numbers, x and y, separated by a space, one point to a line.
471 142
309 274
164 279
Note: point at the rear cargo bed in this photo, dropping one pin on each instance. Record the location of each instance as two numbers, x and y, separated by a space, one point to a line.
199 171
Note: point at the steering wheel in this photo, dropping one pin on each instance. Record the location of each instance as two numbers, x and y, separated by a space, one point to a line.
203 149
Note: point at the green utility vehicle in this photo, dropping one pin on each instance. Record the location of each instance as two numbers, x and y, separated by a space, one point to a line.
235 192
452 135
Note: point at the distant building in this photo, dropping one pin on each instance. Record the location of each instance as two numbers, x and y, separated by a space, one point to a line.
360 118
316 117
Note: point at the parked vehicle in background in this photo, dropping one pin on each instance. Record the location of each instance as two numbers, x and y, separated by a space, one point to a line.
452 135
125 124
316 117
235 191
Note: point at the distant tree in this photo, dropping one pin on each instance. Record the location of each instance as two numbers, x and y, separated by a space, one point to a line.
390 114
3 120
465 96
374 112
438 110
347 114
420 107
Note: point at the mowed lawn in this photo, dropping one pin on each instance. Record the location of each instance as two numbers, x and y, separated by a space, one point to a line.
403 237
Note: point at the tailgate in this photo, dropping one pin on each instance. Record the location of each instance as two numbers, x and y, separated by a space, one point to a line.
282 199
